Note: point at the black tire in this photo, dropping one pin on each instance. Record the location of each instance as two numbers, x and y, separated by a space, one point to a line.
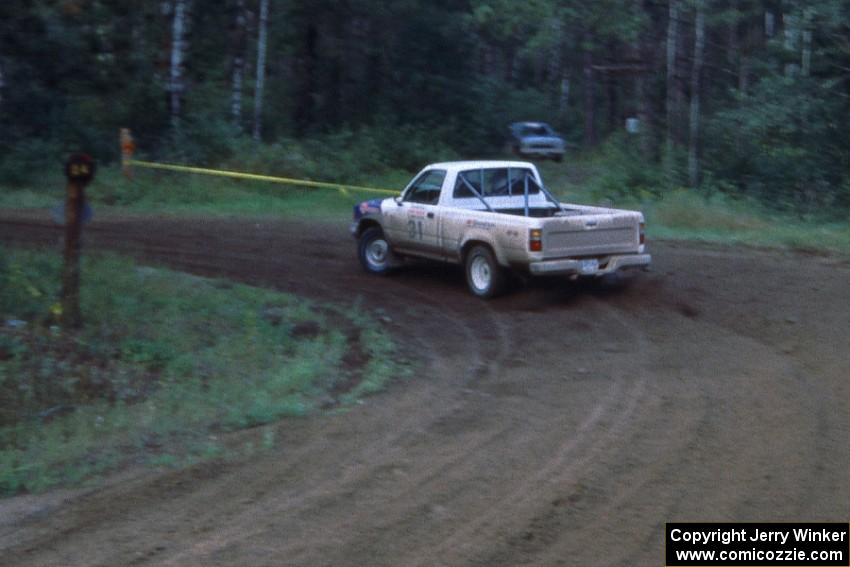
484 276
374 251
558 158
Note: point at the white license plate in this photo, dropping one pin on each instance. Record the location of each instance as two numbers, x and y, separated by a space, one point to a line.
589 266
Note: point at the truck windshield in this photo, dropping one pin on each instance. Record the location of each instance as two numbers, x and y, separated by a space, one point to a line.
536 130
426 188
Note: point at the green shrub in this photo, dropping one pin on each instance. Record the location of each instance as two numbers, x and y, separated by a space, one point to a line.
619 173
781 145
27 160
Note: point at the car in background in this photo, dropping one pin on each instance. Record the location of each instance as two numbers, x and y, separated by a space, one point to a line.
536 139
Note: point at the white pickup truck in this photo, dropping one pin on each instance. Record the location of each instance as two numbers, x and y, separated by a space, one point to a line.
492 217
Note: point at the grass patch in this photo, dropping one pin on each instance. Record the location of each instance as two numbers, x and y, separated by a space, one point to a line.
684 214
610 176
376 156
182 193
165 362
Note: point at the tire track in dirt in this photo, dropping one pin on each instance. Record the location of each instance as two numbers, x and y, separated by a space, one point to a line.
212 263
442 465
516 512
381 455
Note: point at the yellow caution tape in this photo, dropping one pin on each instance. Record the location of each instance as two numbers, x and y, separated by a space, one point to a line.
256 177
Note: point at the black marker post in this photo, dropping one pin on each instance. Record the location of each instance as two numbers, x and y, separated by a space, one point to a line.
79 169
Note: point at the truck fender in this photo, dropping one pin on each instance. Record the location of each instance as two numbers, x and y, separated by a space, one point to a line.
365 223
367 214
484 237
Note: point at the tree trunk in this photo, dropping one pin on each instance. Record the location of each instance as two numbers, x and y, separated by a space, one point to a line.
564 99
696 72
307 66
738 58
488 66
178 51
238 70
643 116
555 62
753 35
806 58
642 102
791 36
769 24
557 71
589 101
510 55
611 98
672 39
261 69
733 47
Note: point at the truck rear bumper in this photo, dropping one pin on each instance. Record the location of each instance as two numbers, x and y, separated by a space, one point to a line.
587 267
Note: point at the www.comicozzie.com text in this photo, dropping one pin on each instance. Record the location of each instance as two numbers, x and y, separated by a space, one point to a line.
727 536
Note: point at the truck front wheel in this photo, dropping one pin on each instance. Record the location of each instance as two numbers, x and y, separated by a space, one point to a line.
484 276
374 251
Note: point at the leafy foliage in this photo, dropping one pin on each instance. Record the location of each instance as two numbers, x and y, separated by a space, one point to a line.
781 145
360 87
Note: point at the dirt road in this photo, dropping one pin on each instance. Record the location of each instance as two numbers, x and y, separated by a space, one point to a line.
559 425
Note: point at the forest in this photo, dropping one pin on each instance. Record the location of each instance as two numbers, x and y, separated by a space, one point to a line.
747 98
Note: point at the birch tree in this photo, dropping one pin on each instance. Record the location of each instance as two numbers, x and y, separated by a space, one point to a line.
261 69
806 57
238 65
178 53
642 102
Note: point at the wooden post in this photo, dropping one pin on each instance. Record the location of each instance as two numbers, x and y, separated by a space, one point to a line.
79 170
128 146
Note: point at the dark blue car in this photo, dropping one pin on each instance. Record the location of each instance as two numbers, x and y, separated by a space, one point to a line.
536 139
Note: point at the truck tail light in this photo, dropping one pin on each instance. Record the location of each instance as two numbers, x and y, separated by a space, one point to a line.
642 232
535 240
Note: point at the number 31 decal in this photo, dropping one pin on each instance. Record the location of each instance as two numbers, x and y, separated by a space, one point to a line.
414 229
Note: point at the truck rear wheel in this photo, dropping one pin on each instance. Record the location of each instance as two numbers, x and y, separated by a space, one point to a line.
374 251
484 276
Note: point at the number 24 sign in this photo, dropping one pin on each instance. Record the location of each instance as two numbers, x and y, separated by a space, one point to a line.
80 168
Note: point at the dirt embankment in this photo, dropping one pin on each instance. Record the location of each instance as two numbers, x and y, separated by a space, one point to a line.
559 425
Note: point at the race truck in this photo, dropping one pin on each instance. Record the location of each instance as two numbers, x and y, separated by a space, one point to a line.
493 217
